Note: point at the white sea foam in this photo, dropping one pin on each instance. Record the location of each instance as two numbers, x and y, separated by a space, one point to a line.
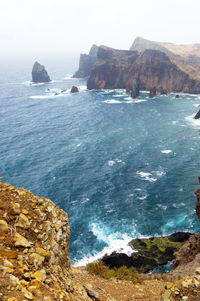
166 151
135 101
146 176
115 242
112 101
192 121
82 88
196 105
174 122
29 83
69 76
111 163
50 95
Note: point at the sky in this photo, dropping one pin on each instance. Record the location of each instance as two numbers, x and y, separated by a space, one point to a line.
71 27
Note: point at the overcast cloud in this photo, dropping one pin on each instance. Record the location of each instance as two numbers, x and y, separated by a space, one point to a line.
72 26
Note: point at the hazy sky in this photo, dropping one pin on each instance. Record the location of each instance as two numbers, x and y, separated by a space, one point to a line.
65 26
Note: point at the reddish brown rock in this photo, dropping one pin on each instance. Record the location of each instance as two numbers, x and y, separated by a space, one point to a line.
152 92
116 69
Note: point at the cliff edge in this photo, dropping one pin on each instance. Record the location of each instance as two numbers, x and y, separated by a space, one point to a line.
34 259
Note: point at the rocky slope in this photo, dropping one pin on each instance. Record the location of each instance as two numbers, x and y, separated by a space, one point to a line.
186 57
34 260
116 69
86 62
39 74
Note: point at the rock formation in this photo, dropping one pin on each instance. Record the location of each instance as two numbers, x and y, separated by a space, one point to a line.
116 69
34 259
39 74
186 57
135 91
74 89
86 62
152 92
151 252
197 116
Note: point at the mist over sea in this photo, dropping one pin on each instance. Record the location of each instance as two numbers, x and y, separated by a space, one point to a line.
121 168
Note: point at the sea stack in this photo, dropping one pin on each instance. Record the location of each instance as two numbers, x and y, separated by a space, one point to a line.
39 74
135 88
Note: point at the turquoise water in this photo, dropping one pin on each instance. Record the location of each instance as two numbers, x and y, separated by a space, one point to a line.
120 168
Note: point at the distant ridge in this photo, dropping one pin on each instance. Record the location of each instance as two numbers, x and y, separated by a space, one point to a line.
185 56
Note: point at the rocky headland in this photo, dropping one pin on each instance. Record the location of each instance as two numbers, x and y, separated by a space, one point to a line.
39 74
86 63
117 69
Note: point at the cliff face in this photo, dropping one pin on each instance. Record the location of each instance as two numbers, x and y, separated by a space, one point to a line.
186 57
34 259
39 74
116 69
86 62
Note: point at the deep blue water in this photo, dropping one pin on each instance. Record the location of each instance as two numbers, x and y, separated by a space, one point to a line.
121 169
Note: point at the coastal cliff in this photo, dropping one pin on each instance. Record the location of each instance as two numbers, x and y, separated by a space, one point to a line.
116 69
86 63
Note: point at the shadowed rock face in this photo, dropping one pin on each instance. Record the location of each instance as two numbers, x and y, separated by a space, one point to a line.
74 89
197 116
39 74
135 91
116 69
86 63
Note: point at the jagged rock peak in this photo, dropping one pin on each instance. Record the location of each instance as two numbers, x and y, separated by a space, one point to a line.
39 73
86 62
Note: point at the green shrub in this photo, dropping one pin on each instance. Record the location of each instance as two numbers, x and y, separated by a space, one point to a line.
122 273
97 268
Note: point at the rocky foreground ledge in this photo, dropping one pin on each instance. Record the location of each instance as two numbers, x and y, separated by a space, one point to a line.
34 240
34 260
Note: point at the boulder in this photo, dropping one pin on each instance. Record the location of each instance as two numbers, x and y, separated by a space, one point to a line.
39 74
152 92
135 88
74 89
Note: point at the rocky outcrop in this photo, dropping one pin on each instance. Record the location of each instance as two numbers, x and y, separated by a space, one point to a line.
39 74
151 252
34 259
135 91
74 89
152 92
86 63
116 69
197 116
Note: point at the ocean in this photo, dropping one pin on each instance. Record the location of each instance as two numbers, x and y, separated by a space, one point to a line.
120 168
